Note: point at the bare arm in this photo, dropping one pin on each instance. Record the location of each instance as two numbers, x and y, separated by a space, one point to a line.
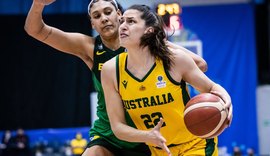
116 112
115 108
73 43
191 74
200 62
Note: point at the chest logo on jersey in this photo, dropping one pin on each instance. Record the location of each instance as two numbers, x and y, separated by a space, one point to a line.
124 83
161 83
100 52
151 101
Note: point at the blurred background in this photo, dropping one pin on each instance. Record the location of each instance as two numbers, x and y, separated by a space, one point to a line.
48 96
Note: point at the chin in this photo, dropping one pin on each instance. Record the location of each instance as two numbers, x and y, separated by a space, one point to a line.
123 43
109 33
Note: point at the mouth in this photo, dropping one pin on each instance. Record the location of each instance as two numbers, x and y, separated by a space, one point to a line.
107 27
123 35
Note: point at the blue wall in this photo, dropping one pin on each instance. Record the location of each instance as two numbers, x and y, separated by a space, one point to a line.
228 37
59 6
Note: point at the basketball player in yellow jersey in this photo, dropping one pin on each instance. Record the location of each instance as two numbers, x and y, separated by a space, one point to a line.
147 84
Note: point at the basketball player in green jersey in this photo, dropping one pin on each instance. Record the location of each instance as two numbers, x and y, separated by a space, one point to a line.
148 83
104 16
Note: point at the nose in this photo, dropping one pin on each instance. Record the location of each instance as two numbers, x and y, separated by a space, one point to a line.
104 18
122 26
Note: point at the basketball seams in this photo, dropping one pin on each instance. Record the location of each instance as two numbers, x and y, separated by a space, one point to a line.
217 105
206 97
221 122
200 115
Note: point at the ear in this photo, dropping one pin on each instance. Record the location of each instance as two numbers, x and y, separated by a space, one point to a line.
149 30
119 13
93 26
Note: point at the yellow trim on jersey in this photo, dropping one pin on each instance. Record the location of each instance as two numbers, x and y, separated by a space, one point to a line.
95 137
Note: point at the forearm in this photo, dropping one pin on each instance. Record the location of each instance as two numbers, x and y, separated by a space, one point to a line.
130 134
34 24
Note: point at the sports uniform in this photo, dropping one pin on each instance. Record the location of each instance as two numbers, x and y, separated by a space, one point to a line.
101 133
157 95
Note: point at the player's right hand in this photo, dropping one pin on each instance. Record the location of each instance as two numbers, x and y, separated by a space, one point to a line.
44 2
158 139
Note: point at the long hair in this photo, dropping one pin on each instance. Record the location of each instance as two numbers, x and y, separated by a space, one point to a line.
154 40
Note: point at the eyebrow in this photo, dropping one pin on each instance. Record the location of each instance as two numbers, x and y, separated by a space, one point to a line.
102 10
129 18
93 1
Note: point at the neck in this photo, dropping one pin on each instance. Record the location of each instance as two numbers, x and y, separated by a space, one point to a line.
112 43
140 58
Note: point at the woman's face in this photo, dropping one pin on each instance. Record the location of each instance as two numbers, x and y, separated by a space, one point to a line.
132 28
105 18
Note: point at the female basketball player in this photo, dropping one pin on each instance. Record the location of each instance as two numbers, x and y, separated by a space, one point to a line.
148 84
104 16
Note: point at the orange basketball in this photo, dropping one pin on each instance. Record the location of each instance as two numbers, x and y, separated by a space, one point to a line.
205 115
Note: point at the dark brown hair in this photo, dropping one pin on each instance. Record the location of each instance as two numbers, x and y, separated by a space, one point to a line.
154 40
116 4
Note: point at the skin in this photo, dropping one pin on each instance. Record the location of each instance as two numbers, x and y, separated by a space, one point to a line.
139 63
105 20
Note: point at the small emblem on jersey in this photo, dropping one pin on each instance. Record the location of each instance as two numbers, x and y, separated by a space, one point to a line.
100 52
125 83
100 46
142 88
161 83
94 137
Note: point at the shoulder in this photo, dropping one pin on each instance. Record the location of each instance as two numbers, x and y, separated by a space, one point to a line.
182 62
108 72
180 55
88 44
110 65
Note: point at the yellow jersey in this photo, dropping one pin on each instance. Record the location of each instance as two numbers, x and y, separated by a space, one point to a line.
78 146
156 95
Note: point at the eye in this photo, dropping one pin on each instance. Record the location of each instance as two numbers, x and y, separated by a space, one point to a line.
107 12
130 21
121 20
96 16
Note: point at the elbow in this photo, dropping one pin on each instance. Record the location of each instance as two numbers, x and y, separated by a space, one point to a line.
28 30
118 135
203 66
33 31
117 132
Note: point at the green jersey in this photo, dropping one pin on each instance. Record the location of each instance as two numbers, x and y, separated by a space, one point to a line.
102 126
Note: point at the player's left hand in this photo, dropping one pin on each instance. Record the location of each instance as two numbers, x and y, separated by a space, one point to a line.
227 104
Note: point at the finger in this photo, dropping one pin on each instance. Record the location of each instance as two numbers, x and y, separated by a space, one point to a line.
224 98
219 95
51 2
159 125
230 115
230 112
165 148
47 2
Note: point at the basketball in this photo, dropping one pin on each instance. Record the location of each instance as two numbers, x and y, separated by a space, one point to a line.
205 115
